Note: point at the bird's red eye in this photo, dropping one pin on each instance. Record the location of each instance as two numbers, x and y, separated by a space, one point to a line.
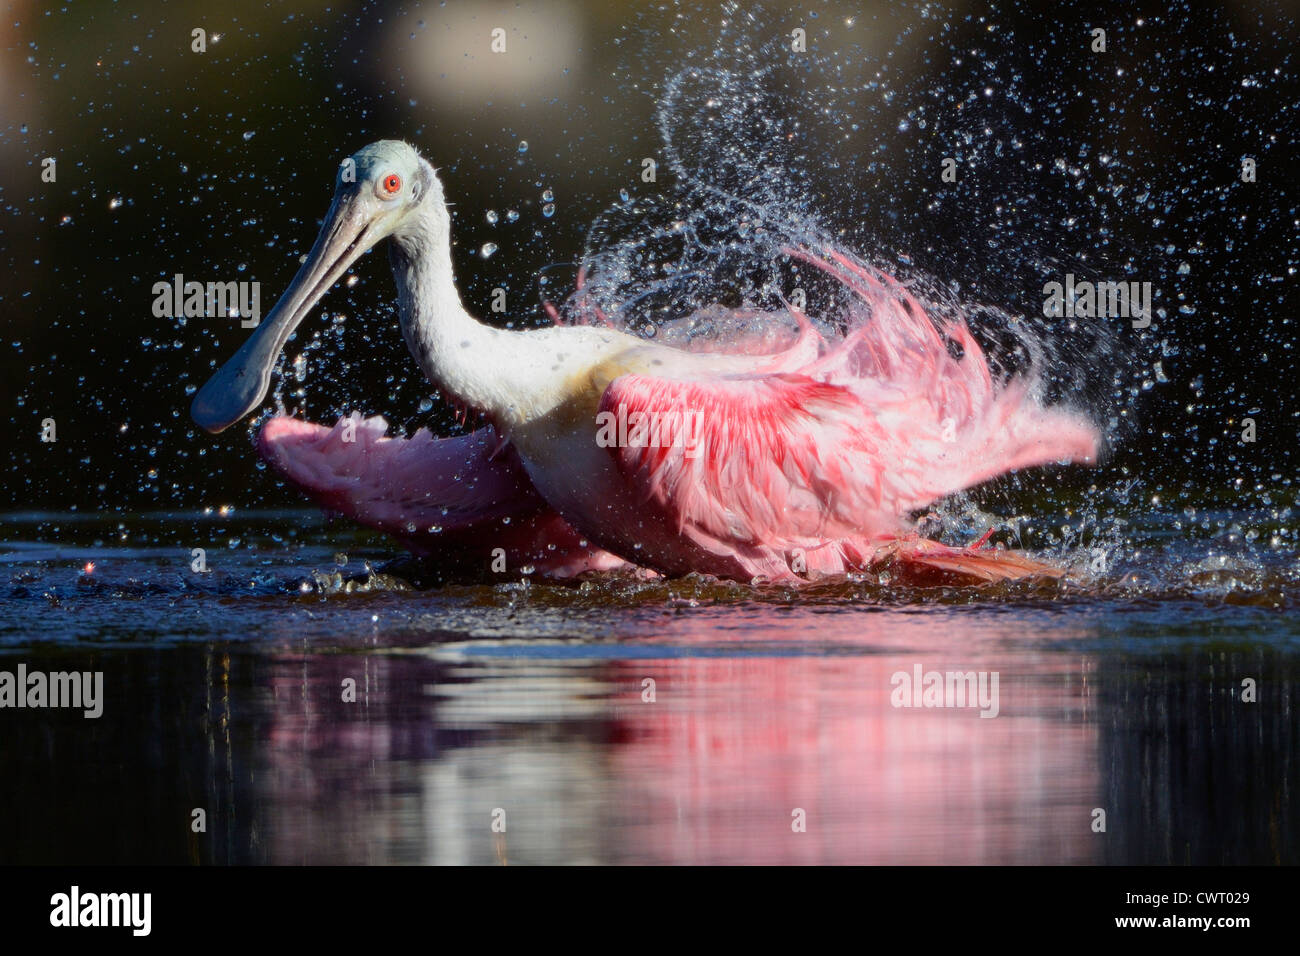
392 183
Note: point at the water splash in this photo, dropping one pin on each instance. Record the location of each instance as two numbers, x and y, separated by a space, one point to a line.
764 146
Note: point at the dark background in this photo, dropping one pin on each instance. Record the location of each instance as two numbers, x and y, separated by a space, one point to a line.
219 166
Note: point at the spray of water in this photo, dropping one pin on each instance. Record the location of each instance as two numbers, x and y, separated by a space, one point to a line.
940 147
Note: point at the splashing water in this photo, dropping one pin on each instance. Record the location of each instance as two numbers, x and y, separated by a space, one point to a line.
767 148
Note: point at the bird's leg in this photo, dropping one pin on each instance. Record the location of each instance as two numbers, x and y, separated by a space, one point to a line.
920 561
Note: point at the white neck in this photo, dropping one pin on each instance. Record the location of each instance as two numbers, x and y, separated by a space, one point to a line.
468 360
512 376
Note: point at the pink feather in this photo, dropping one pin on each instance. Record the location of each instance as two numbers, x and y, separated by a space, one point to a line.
826 459
455 498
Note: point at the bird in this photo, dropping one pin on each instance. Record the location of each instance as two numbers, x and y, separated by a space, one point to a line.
751 457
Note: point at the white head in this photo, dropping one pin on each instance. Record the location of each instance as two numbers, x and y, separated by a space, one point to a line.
386 189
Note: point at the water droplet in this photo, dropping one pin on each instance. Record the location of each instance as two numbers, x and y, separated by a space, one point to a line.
523 146
512 215
488 249
548 195
248 134
492 217
548 210
115 203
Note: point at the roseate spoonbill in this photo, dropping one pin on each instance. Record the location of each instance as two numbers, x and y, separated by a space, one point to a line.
783 460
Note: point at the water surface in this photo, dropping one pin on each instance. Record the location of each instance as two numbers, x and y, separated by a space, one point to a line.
529 701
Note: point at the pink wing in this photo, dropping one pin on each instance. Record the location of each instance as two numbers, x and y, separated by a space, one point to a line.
771 459
784 461
445 497
400 485
879 424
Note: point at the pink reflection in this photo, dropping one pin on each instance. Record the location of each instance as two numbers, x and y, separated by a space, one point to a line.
737 738
712 771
